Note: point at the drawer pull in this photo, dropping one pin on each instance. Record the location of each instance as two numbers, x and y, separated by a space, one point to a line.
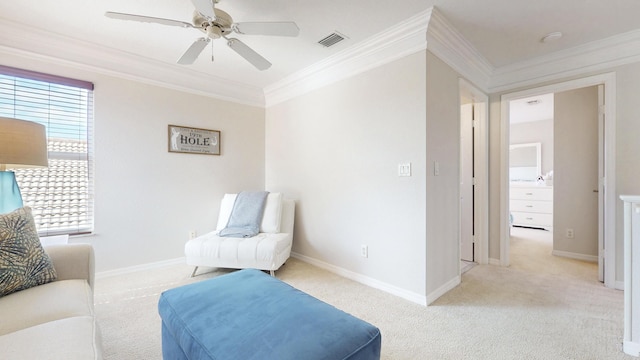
529 218
528 193
529 206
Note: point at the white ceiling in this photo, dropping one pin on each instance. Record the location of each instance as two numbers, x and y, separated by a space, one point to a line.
535 108
503 31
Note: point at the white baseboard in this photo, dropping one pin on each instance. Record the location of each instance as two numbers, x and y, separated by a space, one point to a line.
391 289
494 262
394 290
136 268
570 255
631 348
443 290
619 285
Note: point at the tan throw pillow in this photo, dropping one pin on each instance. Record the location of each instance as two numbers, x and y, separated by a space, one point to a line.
23 261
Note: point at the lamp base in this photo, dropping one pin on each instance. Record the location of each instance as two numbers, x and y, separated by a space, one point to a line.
10 196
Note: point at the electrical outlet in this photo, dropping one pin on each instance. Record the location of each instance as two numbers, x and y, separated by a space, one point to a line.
364 251
569 234
193 234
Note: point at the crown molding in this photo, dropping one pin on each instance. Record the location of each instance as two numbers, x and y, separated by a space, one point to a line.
428 29
448 44
394 43
592 57
17 39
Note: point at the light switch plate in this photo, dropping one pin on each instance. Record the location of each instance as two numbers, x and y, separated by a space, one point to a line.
404 169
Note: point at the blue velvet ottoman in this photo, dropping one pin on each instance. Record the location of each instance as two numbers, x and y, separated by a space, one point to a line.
248 315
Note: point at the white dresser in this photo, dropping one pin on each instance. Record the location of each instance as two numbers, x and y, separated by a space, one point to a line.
531 205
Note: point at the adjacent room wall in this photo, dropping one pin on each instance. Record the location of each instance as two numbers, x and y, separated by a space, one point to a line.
533 132
336 151
147 199
576 156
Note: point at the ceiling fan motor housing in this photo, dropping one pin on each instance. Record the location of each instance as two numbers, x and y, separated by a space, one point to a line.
218 27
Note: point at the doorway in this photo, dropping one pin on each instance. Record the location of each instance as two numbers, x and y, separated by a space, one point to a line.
566 200
606 183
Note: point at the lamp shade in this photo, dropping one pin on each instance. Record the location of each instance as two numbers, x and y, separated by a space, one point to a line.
22 144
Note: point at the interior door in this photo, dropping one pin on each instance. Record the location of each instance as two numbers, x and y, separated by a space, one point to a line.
576 172
466 182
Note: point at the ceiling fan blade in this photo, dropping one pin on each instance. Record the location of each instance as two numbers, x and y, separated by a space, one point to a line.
246 52
193 51
267 28
205 7
148 19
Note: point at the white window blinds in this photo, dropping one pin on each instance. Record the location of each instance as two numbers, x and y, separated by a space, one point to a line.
61 195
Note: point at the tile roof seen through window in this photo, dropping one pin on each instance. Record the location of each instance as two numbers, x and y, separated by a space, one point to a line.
59 194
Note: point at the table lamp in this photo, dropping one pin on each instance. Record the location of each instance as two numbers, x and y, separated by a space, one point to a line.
22 144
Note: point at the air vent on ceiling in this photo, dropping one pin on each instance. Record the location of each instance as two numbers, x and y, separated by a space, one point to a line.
332 39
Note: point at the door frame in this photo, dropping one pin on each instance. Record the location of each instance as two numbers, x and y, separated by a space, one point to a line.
481 170
608 183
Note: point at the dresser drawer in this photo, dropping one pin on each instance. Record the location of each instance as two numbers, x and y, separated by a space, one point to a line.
531 206
531 193
532 219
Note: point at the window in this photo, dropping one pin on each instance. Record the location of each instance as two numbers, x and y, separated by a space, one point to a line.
61 195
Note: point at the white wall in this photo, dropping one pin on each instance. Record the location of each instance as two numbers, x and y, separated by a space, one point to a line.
442 201
147 199
336 150
628 147
532 132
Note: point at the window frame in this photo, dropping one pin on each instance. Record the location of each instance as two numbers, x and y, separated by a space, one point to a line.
85 124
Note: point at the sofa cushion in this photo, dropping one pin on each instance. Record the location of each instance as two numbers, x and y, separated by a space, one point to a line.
23 261
270 219
69 339
49 302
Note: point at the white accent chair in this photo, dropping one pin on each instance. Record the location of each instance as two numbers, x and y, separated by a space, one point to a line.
266 251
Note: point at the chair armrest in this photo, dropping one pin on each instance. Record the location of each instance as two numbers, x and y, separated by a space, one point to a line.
73 261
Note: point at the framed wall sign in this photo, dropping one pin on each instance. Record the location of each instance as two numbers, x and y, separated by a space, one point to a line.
193 140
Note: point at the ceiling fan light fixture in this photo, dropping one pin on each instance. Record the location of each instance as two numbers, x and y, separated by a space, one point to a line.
551 37
214 32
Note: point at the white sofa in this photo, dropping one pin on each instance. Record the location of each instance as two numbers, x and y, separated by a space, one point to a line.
266 251
55 320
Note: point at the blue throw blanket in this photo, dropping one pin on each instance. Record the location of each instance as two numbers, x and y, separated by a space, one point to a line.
246 214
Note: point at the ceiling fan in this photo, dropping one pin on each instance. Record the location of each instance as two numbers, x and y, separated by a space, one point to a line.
216 23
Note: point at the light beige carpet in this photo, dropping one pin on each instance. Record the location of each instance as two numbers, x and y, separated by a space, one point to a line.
541 307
